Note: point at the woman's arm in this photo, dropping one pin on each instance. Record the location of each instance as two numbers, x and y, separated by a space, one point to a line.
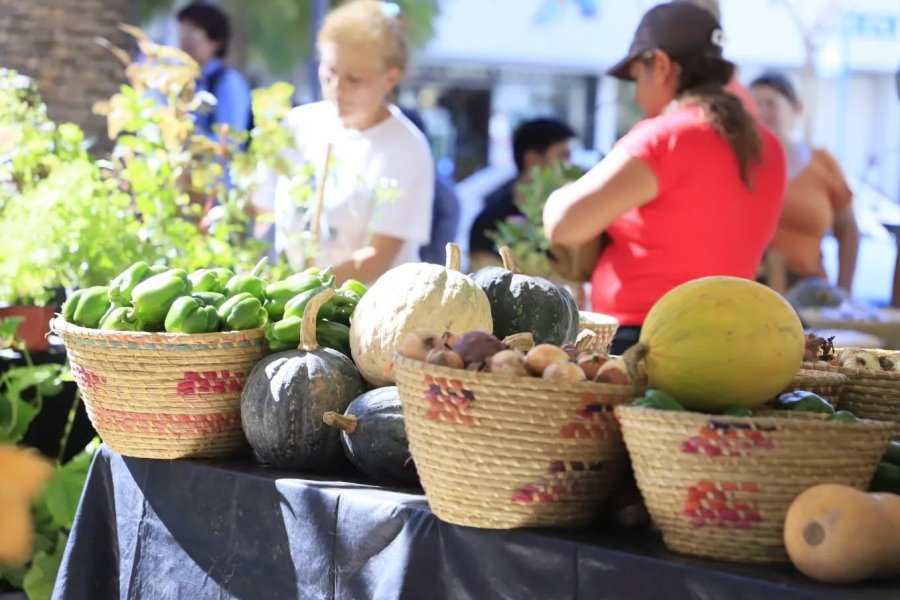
370 261
580 211
846 231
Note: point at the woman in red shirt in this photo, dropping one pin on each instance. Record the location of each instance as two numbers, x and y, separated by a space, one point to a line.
693 190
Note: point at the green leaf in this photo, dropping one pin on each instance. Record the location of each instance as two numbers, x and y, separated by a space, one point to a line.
16 416
14 575
9 326
41 577
63 492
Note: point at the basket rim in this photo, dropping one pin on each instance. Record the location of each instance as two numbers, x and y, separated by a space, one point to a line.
853 373
807 419
59 326
543 385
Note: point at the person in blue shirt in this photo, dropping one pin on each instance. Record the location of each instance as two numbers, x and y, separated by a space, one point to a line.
204 32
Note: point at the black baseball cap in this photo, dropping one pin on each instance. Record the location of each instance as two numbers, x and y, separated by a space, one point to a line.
677 28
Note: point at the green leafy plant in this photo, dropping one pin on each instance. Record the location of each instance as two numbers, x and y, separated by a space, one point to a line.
22 393
524 234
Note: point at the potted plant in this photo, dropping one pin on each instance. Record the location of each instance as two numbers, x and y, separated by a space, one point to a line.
23 389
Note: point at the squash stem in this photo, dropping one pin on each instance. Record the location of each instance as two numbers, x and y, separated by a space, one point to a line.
632 357
452 257
308 324
346 423
509 261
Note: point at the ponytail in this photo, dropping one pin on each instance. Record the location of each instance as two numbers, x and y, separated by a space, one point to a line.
702 84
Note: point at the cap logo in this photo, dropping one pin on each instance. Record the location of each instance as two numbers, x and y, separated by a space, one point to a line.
717 38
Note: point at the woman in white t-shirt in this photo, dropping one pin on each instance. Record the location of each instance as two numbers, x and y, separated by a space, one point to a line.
378 196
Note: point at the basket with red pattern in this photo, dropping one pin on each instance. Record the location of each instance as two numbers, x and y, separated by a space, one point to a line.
502 451
720 486
163 395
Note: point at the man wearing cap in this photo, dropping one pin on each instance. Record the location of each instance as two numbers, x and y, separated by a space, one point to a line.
693 190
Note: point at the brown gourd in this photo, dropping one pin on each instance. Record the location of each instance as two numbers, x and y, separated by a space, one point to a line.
838 534
410 297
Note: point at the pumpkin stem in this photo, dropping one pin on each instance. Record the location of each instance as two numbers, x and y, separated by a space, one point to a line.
308 325
346 423
259 266
509 261
633 357
452 256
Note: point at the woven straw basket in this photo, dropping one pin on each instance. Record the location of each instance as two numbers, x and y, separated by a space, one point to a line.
500 451
828 385
604 326
720 486
869 394
163 395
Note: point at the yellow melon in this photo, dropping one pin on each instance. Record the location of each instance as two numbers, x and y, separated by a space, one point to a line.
720 341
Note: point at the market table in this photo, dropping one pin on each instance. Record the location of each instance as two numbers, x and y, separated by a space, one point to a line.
230 529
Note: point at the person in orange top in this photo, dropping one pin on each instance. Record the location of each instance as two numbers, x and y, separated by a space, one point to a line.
817 198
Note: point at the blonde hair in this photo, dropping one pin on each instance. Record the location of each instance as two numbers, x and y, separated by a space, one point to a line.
367 24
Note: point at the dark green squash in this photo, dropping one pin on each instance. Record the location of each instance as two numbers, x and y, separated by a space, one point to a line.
374 436
286 395
522 303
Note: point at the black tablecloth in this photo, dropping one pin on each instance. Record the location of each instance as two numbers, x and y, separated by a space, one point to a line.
201 530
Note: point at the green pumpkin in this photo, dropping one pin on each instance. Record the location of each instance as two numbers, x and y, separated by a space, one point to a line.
286 396
522 303
374 437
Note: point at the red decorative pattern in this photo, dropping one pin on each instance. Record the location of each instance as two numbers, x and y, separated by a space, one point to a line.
163 423
713 505
560 483
597 410
721 438
448 401
211 382
85 378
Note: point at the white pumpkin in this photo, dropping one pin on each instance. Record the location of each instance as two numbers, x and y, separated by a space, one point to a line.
414 296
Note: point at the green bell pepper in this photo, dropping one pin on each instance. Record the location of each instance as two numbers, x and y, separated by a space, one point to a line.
844 416
296 306
152 298
355 286
158 269
345 302
190 315
285 335
657 399
210 280
326 276
279 293
87 306
243 311
333 335
209 298
121 319
737 411
249 283
804 401
121 286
